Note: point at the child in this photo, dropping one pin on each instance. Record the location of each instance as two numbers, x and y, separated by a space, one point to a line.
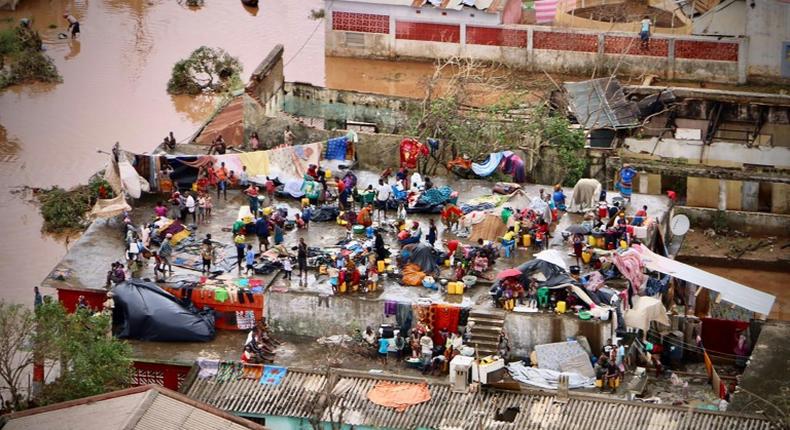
288 268
244 178
201 208
209 205
300 224
250 257
432 232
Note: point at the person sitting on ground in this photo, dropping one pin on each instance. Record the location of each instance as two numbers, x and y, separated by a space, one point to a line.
218 146
369 336
451 214
365 216
639 217
558 197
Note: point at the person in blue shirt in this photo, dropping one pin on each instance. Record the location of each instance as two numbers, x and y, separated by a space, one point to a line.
384 345
644 33
262 231
250 260
558 197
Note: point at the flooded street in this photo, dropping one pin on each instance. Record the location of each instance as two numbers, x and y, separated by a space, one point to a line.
114 79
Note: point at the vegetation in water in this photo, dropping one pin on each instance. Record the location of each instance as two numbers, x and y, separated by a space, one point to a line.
205 70
22 59
90 360
65 210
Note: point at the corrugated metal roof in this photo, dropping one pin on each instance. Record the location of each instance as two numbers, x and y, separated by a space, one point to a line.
601 103
449 410
144 408
295 396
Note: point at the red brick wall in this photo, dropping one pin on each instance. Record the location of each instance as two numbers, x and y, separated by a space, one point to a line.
633 46
362 22
565 41
427 32
495 36
699 50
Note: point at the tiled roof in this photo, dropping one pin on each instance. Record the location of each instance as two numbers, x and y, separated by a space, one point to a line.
297 397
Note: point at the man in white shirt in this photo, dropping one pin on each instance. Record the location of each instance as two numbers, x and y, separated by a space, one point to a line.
74 25
383 192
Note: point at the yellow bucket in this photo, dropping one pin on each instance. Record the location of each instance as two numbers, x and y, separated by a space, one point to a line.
623 244
600 242
328 174
591 240
381 266
342 288
527 240
447 263
561 307
305 201
586 257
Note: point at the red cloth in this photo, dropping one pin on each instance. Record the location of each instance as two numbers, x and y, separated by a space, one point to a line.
410 151
444 317
452 245
721 335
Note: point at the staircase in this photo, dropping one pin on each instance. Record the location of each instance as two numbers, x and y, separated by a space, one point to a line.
485 334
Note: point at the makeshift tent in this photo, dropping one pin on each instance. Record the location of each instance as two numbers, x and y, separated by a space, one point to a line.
146 312
108 208
487 167
646 309
733 292
585 196
424 256
554 257
490 228
552 275
562 356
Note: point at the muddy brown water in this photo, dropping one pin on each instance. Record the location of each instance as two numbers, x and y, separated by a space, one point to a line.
115 77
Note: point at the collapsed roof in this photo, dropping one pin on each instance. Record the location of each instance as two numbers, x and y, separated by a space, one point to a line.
601 103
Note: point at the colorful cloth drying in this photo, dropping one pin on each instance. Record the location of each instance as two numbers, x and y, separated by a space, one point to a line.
445 317
399 395
629 263
410 151
336 148
390 308
273 375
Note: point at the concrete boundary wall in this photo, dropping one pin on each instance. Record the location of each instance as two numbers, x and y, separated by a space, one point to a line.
299 313
747 222
559 50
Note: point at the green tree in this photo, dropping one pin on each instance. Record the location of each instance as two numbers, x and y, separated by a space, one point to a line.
555 131
90 361
205 70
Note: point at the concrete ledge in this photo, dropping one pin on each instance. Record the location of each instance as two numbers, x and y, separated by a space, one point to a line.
747 222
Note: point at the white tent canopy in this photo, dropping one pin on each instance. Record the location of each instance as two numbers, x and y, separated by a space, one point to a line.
733 292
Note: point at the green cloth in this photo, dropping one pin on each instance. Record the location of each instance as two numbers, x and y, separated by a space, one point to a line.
368 196
506 213
237 226
221 295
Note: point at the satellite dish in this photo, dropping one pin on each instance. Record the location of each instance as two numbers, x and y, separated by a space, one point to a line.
679 225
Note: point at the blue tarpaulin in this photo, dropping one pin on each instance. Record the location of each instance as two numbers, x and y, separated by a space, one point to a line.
436 196
336 148
489 166
273 375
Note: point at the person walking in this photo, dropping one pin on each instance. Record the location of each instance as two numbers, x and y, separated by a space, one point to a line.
239 240
301 258
191 206
262 231
252 193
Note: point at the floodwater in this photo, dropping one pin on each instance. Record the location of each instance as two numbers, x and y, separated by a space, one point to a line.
115 77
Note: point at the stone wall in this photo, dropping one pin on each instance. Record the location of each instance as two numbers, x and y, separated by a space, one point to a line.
554 49
267 80
527 330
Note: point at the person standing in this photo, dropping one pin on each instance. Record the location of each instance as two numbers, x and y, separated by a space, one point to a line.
262 231
74 25
37 299
255 142
207 254
278 234
301 258
250 260
384 346
191 206
252 195
644 34
288 136
239 240
269 186
288 268
382 196
432 233
222 181
165 251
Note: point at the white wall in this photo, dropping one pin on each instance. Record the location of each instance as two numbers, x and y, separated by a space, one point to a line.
767 26
717 153
426 13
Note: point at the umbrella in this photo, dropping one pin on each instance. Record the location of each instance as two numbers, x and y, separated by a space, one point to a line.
578 229
507 273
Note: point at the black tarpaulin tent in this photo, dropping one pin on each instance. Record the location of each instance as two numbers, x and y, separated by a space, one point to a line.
146 312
